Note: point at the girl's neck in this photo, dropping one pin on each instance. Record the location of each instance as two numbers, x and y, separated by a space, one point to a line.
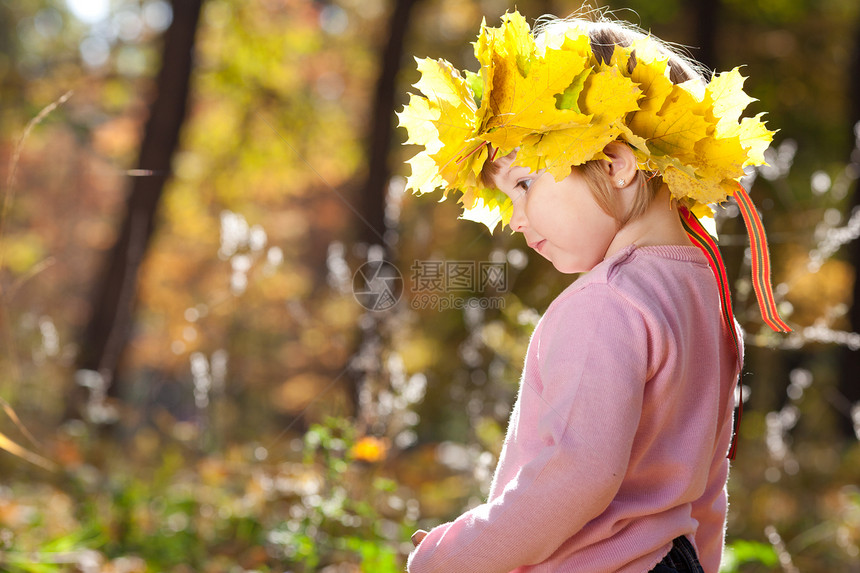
660 224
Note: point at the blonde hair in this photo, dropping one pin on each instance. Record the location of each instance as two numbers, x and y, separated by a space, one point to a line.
605 33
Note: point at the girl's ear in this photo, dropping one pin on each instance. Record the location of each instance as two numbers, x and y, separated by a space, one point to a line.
622 165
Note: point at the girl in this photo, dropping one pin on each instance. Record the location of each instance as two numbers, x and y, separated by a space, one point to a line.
598 144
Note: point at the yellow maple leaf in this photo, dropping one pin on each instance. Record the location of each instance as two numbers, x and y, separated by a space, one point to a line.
522 105
470 167
653 80
675 128
608 97
517 41
425 174
418 117
489 211
640 146
648 50
754 137
447 91
701 190
483 44
568 146
622 57
696 88
483 53
719 158
655 86
725 92
705 215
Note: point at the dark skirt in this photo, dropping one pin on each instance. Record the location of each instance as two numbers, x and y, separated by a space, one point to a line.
681 559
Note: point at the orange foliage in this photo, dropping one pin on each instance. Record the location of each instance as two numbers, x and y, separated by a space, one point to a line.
370 449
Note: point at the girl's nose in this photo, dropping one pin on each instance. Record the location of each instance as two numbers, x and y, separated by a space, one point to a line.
518 218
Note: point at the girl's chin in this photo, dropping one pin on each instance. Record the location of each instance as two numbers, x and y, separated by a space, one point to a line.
570 267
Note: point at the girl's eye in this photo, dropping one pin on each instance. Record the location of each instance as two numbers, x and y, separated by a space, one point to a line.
523 184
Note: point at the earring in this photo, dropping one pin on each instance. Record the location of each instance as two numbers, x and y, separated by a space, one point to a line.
621 182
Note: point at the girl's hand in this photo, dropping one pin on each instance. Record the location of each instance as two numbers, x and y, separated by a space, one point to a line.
418 536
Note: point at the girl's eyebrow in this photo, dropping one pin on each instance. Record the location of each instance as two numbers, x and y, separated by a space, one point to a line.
506 165
505 173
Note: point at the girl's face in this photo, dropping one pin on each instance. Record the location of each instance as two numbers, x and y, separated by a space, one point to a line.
559 219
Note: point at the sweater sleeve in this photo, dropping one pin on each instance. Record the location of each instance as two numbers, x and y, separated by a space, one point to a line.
709 511
587 400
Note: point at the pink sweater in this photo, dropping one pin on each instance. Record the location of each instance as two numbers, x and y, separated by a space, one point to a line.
617 442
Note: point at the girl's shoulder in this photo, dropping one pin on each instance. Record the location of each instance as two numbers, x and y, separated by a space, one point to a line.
641 278
652 261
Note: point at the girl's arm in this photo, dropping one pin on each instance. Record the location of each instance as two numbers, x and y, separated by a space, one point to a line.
710 537
586 404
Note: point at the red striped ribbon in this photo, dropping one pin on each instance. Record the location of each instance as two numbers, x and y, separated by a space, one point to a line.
760 262
706 243
760 274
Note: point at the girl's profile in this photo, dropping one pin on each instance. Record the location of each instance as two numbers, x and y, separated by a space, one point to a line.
606 150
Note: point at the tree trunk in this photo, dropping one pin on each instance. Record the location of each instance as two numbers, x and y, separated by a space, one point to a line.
372 224
372 206
707 13
113 300
849 375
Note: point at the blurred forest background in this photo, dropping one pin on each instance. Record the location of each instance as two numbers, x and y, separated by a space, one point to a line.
188 381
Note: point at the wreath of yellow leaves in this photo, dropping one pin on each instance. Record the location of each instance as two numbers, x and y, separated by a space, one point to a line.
552 98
